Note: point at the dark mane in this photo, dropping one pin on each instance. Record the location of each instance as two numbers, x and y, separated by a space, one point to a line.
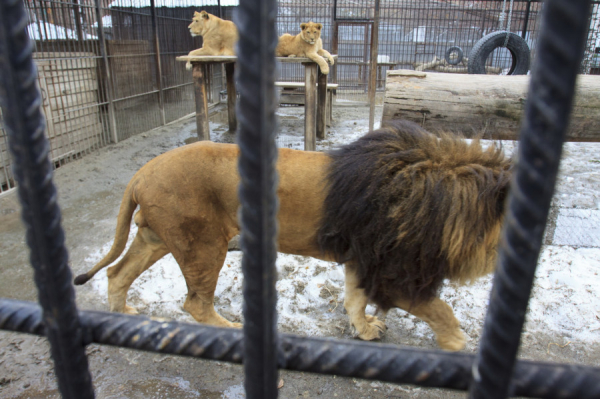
406 209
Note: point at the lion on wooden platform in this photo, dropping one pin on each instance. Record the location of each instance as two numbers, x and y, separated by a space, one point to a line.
402 208
308 44
219 36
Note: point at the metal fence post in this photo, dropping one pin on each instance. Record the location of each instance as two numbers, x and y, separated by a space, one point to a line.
256 108
373 71
112 123
551 91
30 148
156 44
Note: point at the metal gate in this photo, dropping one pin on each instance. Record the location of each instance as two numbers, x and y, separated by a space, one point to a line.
493 373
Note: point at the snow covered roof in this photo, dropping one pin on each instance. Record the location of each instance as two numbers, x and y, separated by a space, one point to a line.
106 22
172 3
48 31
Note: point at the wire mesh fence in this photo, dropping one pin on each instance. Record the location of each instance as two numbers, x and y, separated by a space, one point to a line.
107 69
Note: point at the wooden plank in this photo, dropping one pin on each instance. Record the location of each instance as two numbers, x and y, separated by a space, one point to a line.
74 87
74 100
300 85
481 104
233 58
231 97
321 105
66 64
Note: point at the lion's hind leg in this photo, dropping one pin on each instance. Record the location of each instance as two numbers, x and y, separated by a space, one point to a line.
200 266
146 249
440 317
367 327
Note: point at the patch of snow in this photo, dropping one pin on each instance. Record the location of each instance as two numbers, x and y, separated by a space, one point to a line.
172 3
48 31
106 22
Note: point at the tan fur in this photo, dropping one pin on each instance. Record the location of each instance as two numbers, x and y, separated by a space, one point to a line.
218 35
307 43
188 206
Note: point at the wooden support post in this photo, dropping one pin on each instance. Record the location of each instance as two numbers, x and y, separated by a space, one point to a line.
231 96
321 105
310 106
199 76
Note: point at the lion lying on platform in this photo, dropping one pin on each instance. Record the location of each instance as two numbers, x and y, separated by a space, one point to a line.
218 35
307 43
400 207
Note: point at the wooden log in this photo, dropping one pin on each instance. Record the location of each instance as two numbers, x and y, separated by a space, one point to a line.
231 96
321 105
310 107
199 77
486 105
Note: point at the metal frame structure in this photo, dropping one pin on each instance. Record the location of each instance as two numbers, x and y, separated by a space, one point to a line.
493 373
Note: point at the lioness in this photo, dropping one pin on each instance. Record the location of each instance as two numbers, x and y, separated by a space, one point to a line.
307 43
402 209
218 35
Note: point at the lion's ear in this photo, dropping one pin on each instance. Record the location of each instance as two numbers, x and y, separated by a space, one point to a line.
303 26
319 26
204 14
196 13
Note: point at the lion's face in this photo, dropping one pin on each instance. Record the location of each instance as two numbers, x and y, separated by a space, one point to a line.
311 32
199 23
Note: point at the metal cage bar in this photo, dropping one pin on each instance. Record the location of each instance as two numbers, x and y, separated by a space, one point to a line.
25 126
368 360
549 101
256 108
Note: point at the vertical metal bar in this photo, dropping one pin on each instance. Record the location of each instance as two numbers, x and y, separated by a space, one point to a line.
526 21
310 106
161 104
551 91
220 9
373 71
77 15
112 122
24 123
255 73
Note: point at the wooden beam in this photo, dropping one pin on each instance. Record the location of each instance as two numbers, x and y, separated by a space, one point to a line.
487 105
199 77
310 106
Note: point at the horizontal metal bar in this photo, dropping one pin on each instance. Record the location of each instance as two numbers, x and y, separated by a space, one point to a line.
373 361
178 86
135 96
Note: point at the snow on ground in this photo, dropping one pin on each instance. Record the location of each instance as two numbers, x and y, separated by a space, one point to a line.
310 292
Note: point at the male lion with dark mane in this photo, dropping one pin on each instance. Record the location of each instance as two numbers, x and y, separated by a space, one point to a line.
402 208
218 35
307 43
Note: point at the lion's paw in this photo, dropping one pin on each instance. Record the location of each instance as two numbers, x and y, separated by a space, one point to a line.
325 70
452 341
130 310
292 56
330 60
188 66
374 329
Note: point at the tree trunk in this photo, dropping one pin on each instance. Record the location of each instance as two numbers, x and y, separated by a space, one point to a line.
480 104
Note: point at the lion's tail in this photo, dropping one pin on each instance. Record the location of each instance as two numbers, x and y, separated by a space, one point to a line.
128 205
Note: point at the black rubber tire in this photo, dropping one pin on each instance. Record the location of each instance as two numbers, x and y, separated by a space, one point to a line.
458 59
483 48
